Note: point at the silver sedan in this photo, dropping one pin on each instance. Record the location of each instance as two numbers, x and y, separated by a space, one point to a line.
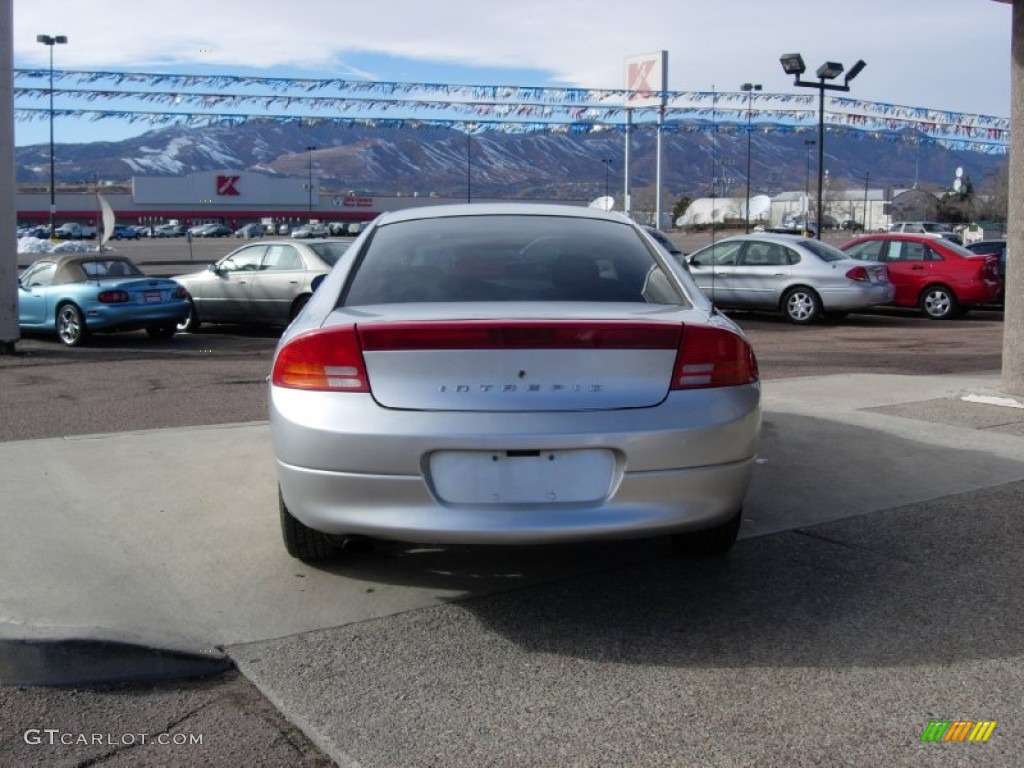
265 283
801 277
511 374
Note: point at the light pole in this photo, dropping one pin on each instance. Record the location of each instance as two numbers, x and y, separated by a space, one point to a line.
749 88
607 168
310 151
793 64
50 41
867 176
808 143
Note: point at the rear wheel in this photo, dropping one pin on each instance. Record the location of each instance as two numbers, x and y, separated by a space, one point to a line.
71 325
713 542
301 541
938 303
801 305
191 323
297 306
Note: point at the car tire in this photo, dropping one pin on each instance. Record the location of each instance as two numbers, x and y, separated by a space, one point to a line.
165 331
713 542
801 305
301 541
297 305
71 328
191 323
938 303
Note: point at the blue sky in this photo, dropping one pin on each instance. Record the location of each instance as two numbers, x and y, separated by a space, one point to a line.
941 54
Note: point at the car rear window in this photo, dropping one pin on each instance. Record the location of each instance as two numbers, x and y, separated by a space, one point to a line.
330 252
824 251
508 258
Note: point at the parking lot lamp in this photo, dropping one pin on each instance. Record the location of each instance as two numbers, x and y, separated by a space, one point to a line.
793 64
808 143
50 41
749 88
867 176
310 151
607 167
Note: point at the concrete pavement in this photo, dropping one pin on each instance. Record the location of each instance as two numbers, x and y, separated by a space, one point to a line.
876 588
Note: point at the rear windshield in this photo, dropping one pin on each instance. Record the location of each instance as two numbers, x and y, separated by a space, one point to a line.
508 258
824 251
330 252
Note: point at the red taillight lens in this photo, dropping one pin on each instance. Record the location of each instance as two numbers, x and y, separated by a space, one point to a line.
114 297
713 357
860 274
326 360
180 292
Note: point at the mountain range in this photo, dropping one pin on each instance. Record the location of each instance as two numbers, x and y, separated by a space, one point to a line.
390 161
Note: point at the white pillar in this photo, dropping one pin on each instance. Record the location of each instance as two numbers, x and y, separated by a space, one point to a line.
8 226
1013 316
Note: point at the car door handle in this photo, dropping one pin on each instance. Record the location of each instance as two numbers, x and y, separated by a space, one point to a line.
917 268
778 274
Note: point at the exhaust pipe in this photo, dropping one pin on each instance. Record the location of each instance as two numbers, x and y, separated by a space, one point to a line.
356 545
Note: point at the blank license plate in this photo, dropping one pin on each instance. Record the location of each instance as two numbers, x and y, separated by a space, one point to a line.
522 477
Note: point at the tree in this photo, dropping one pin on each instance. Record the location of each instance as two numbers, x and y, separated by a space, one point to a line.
680 208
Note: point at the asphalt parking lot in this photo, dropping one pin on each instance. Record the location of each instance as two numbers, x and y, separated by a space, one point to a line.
875 588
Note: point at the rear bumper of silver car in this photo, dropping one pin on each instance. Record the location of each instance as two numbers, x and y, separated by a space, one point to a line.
348 466
858 297
403 508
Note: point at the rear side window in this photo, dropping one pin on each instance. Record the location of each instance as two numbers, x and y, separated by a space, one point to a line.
507 258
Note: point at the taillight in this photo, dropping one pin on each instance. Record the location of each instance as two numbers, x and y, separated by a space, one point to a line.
113 297
713 357
860 274
327 359
992 266
180 292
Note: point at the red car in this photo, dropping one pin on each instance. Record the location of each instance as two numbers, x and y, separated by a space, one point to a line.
940 277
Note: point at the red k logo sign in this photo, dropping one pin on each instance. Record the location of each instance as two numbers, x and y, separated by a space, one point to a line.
639 74
226 185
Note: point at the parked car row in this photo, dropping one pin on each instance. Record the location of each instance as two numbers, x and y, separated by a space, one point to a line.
807 279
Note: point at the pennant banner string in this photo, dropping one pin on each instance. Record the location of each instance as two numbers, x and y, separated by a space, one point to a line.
516 105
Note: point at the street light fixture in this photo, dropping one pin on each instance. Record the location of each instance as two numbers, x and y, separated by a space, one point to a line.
310 150
793 64
50 41
749 88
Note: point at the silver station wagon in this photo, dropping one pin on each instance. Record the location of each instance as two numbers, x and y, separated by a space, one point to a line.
511 374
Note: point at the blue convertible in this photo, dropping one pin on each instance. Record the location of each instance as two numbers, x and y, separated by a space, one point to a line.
77 293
